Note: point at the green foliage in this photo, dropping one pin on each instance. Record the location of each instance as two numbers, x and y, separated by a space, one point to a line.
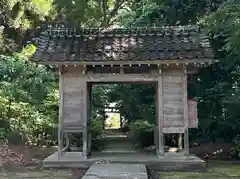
28 51
142 133
139 103
2 132
90 13
14 138
24 86
165 12
218 86
97 132
225 23
149 14
19 18
236 143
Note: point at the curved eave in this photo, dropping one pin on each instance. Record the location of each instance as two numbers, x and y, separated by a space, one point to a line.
120 62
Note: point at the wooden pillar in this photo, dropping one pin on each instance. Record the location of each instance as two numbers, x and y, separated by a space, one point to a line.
180 141
160 113
89 116
60 116
186 137
84 111
121 124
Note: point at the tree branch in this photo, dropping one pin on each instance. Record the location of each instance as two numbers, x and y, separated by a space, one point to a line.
113 12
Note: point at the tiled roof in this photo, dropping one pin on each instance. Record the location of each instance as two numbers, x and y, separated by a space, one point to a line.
61 44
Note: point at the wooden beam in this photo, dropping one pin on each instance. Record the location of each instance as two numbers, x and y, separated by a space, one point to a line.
180 141
121 62
89 116
122 77
160 113
186 137
60 116
84 111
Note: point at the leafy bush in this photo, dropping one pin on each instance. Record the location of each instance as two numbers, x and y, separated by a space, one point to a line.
236 145
125 128
142 134
2 134
28 101
97 132
15 138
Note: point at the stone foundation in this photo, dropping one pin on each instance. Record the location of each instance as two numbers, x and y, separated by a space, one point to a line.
162 163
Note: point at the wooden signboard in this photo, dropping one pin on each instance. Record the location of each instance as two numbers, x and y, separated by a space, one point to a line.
192 114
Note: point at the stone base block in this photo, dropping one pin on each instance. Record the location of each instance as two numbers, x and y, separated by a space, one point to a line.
161 163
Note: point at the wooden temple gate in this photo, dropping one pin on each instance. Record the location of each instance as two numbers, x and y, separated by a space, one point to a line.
163 55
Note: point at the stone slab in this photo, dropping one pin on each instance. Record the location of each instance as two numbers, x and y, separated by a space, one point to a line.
161 163
116 171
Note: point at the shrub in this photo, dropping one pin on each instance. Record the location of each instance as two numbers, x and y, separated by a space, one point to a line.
125 128
15 138
236 145
2 134
97 132
142 134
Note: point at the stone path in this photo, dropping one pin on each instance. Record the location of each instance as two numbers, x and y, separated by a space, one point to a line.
116 171
117 142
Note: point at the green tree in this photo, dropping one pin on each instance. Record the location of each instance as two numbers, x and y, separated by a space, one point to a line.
18 16
26 91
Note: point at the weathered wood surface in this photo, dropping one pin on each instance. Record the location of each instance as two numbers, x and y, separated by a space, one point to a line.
173 97
170 78
89 113
186 135
174 70
60 117
192 114
74 92
80 71
172 110
160 118
170 93
122 78
173 120
170 130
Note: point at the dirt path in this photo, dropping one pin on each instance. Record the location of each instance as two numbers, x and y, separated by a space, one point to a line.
25 163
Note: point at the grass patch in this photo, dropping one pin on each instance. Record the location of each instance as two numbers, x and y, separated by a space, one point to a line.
214 171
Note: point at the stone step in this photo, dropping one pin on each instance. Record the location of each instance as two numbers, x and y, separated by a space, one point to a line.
118 148
118 151
117 142
118 137
118 145
114 146
116 171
